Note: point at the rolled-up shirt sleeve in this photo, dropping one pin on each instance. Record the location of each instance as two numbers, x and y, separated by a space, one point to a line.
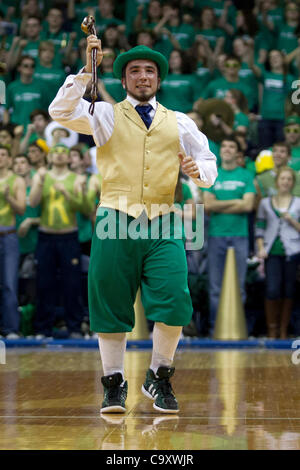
195 144
72 111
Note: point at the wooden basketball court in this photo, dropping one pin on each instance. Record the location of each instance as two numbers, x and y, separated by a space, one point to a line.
229 399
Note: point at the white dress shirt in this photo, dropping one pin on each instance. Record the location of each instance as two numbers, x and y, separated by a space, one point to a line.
69 109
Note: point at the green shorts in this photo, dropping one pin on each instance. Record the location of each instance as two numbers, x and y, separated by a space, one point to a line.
120 264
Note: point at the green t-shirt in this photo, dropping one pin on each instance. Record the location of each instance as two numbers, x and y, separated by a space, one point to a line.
248 77
131 12
85 227
7 215
286 38
60 41
275 92
230 184
276 17
241 119
212 35
51 80
250 165
23 98
218 8
32 49
184 33
28 243
102 23
218 88
214 147
202 75
113 86
186 195
295 158
178 92
57 212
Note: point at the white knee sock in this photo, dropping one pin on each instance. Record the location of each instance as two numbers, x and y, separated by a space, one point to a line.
165 341
112 350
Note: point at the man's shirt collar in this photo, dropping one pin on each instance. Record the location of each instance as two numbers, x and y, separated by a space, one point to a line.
135 102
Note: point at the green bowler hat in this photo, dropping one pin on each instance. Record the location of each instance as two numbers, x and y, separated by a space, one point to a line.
141 52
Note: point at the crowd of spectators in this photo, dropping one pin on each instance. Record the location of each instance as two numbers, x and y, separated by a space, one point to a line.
233 68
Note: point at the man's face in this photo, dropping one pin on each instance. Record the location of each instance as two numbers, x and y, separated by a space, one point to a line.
145 39
275 58
5 137
4 159
21 166
47 55
292 134
60 156
35 155
33 28
39 123
228 151
75 160
280 155
141 79
55 18
231 68
105 7
26 68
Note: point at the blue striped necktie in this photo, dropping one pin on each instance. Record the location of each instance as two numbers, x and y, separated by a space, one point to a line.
144 112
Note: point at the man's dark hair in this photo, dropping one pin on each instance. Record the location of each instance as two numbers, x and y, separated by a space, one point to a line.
36 145
35 17
233 57
78 149
282 144
26 57
232 139
22 155
37 112
8 128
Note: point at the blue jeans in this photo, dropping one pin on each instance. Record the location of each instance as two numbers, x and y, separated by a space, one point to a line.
269 132
9 265
217 249
281 272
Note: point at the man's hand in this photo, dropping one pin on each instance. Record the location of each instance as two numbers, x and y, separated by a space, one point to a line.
287 216
93 42
262 254
24 227
18 131
42 173
60 187
189 166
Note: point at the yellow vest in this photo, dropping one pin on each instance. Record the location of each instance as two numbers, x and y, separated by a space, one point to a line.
139 166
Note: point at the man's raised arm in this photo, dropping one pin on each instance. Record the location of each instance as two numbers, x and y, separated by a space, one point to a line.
68 107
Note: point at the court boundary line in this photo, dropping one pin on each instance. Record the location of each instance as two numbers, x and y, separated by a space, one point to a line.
148 417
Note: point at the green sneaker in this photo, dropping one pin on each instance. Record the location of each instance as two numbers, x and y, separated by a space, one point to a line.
157 387
115 394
